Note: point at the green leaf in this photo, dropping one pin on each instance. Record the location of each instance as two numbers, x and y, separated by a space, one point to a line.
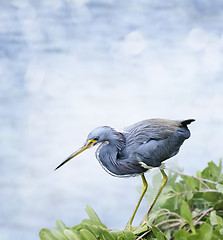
161 236
215 170
220 164
213 218
57 234
186 214
172 177
172 203
181 235
190 182
220 220
86 235
219 187
189 195
216 235
194 236
128 234
211 196
71 235
198 174
179 187
93 222
205 231
45 234
158 234
91 213
139 230
219 205
107 235
96 230
60 226
212 172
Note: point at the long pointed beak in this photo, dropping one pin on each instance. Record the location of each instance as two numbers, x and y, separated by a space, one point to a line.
87 145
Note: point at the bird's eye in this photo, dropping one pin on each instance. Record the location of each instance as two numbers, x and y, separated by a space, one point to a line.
95 139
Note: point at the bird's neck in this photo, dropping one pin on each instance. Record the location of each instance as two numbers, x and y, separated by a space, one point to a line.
117 141
108 152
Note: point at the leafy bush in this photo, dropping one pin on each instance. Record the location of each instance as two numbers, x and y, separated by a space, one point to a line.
190 208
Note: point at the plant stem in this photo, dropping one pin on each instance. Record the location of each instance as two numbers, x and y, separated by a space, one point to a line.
143 235
202 180
202 214
169 221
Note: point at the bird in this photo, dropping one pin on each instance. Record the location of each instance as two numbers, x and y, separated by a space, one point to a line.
136 149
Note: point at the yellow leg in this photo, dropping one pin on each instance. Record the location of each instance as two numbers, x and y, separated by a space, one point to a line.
144 188
163 183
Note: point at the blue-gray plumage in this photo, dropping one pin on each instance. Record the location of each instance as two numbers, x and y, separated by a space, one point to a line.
139 147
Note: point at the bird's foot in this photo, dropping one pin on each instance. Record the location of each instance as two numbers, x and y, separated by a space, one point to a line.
143 227
144 222
129 227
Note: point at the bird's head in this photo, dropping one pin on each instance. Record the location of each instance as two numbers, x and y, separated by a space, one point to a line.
101 134
97 135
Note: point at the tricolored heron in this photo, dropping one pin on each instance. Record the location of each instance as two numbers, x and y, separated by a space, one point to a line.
140 147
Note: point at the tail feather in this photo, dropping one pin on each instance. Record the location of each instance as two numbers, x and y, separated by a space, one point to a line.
186 122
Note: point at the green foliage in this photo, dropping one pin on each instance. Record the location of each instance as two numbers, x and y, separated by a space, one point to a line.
88 229
190 208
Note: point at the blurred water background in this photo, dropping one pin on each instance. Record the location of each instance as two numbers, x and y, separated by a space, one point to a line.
67 66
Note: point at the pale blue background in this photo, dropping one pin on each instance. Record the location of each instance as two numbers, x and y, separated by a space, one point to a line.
67 66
